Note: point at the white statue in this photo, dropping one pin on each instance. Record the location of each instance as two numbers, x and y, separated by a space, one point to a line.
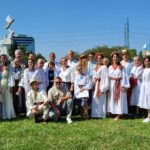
8 39
9 21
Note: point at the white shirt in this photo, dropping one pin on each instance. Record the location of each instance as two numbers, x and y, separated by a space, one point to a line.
128 66
72 64
35 97
65 74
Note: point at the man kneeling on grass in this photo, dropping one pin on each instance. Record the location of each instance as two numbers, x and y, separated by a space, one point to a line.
37 102
60 99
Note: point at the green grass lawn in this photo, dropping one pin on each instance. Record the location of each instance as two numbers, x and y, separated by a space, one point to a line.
93 134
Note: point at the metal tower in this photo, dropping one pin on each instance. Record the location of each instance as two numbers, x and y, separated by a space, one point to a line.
126 34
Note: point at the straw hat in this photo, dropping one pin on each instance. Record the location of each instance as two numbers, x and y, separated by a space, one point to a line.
125 51
32 80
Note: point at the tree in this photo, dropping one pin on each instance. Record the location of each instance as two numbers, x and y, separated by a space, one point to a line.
107 51
132 53
39 55
141 55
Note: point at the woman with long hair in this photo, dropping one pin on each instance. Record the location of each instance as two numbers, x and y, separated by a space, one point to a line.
100 80
119 83
144 100
7 101
27 75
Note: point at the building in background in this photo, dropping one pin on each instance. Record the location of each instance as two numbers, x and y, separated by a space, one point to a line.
25 41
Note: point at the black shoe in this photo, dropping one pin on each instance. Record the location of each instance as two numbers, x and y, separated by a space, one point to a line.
36 118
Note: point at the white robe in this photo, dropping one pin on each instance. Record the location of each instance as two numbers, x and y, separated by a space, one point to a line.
84 81
121 106
91 66
144 100
7 101
127 66
27 75
136 72
41 97
40 76
99 102
65 74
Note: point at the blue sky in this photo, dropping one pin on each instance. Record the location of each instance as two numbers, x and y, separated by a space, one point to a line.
61 25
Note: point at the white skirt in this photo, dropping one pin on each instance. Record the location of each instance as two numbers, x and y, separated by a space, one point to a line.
98 106
144 100
7 105
135 95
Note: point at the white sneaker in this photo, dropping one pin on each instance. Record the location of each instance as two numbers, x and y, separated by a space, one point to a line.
69 121
146 120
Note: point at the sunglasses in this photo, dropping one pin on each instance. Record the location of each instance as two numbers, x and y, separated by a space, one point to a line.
58 82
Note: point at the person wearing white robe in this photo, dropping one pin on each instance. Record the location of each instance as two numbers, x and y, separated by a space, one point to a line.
37 102
39 75
117 100
136 74
144 99
27 75
72 62
17 67
101 83
127 64
82 85
5 95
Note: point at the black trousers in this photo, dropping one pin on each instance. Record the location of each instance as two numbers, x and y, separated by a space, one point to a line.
19 100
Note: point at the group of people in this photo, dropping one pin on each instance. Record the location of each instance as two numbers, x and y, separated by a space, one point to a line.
98 87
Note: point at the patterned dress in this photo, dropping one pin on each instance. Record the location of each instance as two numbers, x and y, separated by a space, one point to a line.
7 101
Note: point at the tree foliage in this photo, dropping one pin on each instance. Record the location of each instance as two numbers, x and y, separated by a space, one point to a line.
39 55
108 50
